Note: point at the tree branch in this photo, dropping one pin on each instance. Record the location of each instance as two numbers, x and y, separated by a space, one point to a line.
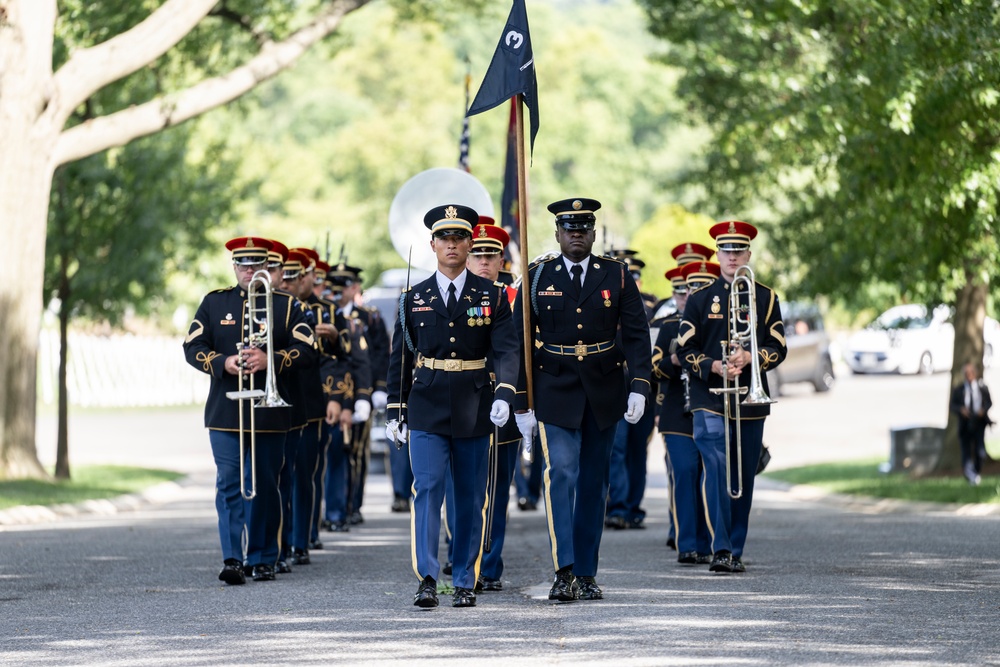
123 126
244 22
89 70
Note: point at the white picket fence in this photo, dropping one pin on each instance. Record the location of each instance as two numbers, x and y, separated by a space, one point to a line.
119 370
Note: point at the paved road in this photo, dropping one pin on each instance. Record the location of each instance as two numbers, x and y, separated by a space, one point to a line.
827 584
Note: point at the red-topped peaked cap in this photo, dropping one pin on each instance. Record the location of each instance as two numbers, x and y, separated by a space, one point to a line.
311 258
700 273
277 255
248 249
296 263
686 253
488 238
732 235
676 278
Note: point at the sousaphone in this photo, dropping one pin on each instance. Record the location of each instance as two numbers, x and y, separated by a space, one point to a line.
434 187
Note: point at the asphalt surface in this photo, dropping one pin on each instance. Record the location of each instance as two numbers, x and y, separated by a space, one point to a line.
830 581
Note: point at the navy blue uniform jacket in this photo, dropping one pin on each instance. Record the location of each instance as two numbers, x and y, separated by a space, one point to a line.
563 384
451 403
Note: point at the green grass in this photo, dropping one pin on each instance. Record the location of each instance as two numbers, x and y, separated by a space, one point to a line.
863 478
87 483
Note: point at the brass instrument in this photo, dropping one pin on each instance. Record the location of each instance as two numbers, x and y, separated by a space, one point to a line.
742 331
268 397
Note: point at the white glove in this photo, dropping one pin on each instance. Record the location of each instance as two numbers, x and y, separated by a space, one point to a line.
379 399
395 432
362 411
500 412
526 424
636 408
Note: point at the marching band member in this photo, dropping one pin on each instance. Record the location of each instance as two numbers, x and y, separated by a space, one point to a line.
441 398
224 342
577 302
704 327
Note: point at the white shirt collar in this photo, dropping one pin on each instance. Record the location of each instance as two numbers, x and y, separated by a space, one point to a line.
583 265
443 281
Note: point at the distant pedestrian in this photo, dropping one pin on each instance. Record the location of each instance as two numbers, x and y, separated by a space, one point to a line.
971 402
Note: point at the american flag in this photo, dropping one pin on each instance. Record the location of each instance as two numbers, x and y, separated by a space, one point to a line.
463 144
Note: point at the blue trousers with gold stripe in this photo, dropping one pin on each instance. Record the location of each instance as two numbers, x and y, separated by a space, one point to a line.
576 491
507 460
307 463
728 519
687 508
433 458
261 517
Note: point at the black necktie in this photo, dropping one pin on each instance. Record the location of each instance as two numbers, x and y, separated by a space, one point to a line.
451 298
577 272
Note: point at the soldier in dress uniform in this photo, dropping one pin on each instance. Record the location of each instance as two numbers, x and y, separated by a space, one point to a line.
227 339
583 382
688 527
368 335
441 397
485 260
627 468
704 330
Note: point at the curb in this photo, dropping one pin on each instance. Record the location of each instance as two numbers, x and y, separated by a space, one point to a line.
872 505
129 502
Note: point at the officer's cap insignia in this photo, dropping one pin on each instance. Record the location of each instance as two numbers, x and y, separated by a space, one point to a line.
577 205
482 232
688 248
451 212
732 227
249 243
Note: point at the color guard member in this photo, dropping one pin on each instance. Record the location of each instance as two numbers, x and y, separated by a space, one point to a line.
576 303
442 400
225 340
703 329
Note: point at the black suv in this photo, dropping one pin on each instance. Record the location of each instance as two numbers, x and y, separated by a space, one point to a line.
808 357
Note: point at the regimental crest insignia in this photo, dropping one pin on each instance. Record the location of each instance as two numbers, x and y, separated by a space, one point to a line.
732 227
482 232
250 243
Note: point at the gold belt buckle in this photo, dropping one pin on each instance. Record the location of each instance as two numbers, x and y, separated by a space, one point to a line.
580 350
453 364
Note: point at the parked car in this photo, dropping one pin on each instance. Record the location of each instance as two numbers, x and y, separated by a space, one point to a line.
808 358
908 339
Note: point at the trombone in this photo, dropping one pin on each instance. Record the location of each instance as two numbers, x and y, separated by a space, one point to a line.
263 317
742 331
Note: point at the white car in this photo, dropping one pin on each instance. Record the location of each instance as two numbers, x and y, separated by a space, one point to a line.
905 339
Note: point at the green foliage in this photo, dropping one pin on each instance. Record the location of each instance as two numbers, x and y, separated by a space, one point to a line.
862 478
334 139
868 130
670 225
124 220
88 483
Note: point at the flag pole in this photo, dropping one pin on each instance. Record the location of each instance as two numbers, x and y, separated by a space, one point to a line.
522 225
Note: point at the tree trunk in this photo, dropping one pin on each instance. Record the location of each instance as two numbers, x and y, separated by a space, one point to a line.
62 438
970 317
27 140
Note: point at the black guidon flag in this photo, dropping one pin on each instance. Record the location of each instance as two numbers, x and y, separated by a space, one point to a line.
512 70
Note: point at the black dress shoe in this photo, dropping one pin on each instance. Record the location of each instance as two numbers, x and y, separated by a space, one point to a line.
463 597
487 584
446 569
300 557
687 557
526 505
564 588
232 572
738 566
283 567
589 590
400 505
615 522
636 523
356 518
317 545
325 524
263 573
426 596
339 527
704 559
722 561
671 543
